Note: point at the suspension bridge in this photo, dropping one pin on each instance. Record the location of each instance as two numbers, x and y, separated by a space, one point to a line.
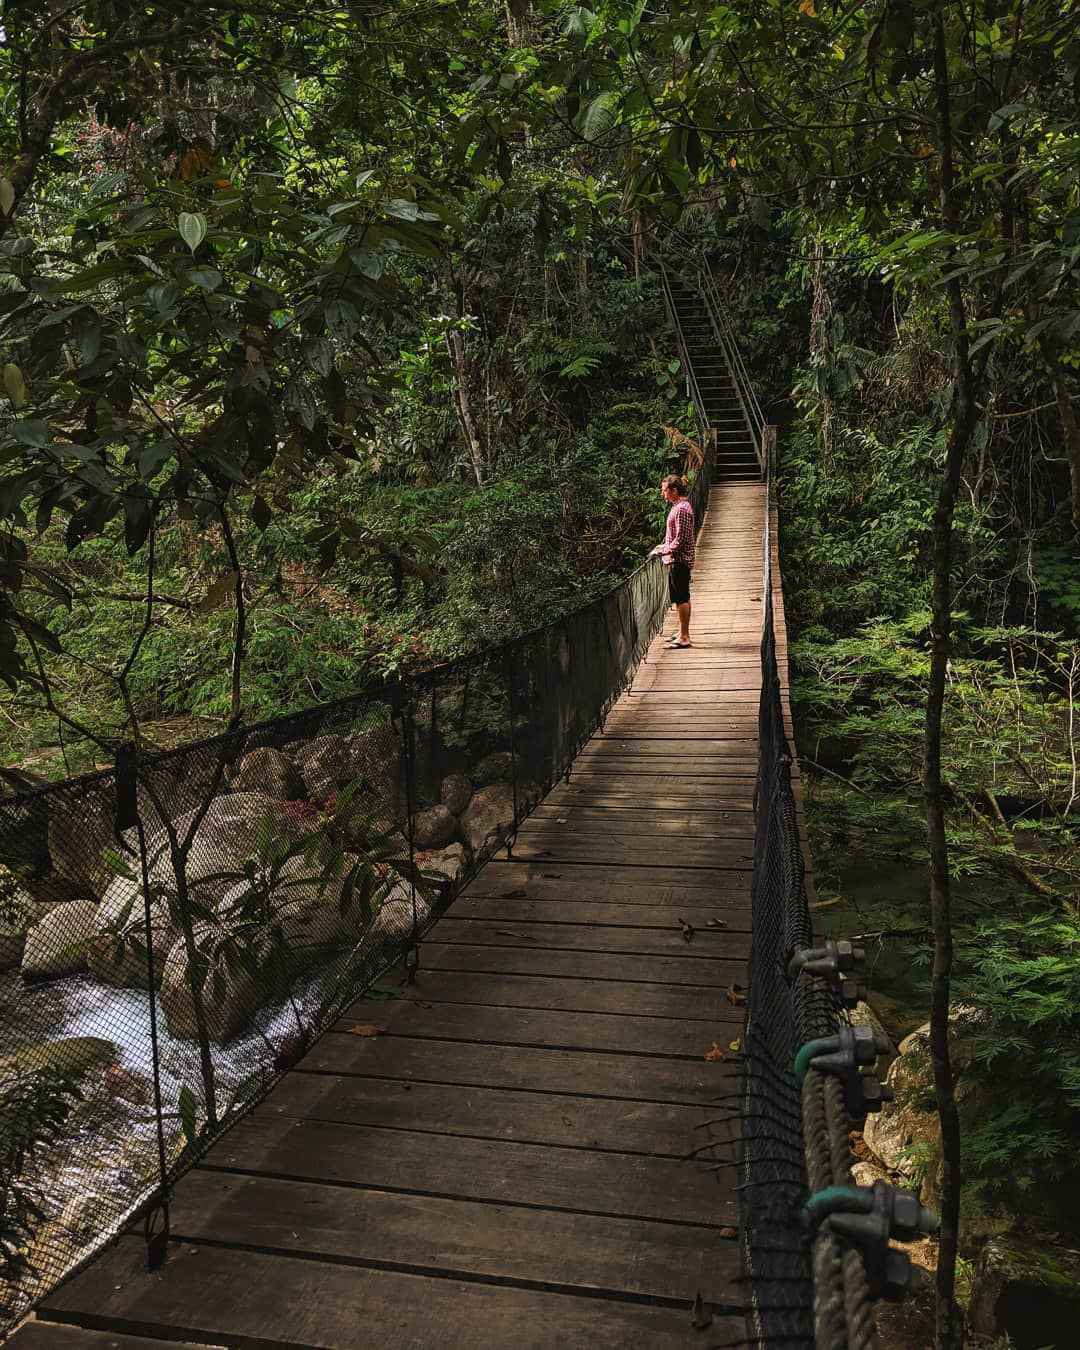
569 1116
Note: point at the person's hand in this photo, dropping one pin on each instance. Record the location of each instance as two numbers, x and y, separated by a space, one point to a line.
658 549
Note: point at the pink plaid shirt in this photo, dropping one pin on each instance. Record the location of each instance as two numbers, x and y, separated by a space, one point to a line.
678 545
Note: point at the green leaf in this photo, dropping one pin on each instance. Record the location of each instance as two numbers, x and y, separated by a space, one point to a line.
138 517
600 115
221 591
187 1108
192 226
7 196
261 513
15 385
209 278
31 433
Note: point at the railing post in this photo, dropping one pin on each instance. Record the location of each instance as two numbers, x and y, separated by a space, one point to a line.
402 698
128 817
511 703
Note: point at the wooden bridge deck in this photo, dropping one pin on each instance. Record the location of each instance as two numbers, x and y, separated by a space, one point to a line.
509 1163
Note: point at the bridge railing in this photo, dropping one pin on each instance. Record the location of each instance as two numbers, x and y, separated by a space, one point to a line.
728 343
178 929
815 1248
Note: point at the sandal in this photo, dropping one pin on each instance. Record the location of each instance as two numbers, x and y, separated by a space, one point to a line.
673 644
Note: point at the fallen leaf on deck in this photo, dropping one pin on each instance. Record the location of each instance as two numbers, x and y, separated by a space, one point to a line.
363 1029
735 995
727 1232
714 1053
519 894
717 923
521 937
736 1046
551 876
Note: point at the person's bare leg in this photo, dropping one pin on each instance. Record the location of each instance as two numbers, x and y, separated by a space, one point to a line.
684 622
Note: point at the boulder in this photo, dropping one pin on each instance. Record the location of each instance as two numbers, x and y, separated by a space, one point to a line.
434 828
226 837
455 793
72 1056
489 817
447 863
497 767
80 830
229 995
271 772
369 759
1028 1291
302 914
56 945
18 913
904 1135
324 766
116 952
863 1015
395 919
375 763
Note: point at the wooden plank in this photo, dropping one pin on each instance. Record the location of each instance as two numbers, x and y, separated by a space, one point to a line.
716 973
562 935
658 885
543 841
606 1033
727 794
687 821
604 915
465 1238
687 1001
583 1181
563 1120
254 1297
40 1335
620 1077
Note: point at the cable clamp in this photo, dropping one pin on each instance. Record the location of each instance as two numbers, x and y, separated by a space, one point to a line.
846 1056
840 964
867 1217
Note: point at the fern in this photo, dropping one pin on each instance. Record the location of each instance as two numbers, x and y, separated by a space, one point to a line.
599 116
34 1110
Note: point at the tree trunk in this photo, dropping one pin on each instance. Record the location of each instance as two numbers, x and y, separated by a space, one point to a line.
1070 430
949 1332
464 405
460 368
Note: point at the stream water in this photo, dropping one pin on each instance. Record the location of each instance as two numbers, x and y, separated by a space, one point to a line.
107 1162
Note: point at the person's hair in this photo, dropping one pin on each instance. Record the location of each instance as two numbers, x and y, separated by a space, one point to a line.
676 483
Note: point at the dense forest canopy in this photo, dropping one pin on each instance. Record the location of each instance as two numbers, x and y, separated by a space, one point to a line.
333 342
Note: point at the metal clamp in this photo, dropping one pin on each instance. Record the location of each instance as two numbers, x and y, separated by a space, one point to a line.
845 1055
867 1217
840 964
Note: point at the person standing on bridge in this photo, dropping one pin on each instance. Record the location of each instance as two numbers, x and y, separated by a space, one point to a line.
677 553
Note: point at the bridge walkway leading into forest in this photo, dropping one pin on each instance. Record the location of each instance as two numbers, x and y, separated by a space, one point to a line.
509 1151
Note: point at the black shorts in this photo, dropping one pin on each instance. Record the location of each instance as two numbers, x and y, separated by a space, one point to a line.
678 583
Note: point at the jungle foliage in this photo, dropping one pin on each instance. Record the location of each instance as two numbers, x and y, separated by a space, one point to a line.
332 342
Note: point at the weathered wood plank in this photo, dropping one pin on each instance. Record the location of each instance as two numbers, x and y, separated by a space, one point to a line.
458 1236
583 1181
687 1001
659 885
607 1033
718 972
562 935
716 919
42 1335
624 1077
207 1292
563 1120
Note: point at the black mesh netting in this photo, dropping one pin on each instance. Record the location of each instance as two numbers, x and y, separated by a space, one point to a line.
790 1147
176 931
